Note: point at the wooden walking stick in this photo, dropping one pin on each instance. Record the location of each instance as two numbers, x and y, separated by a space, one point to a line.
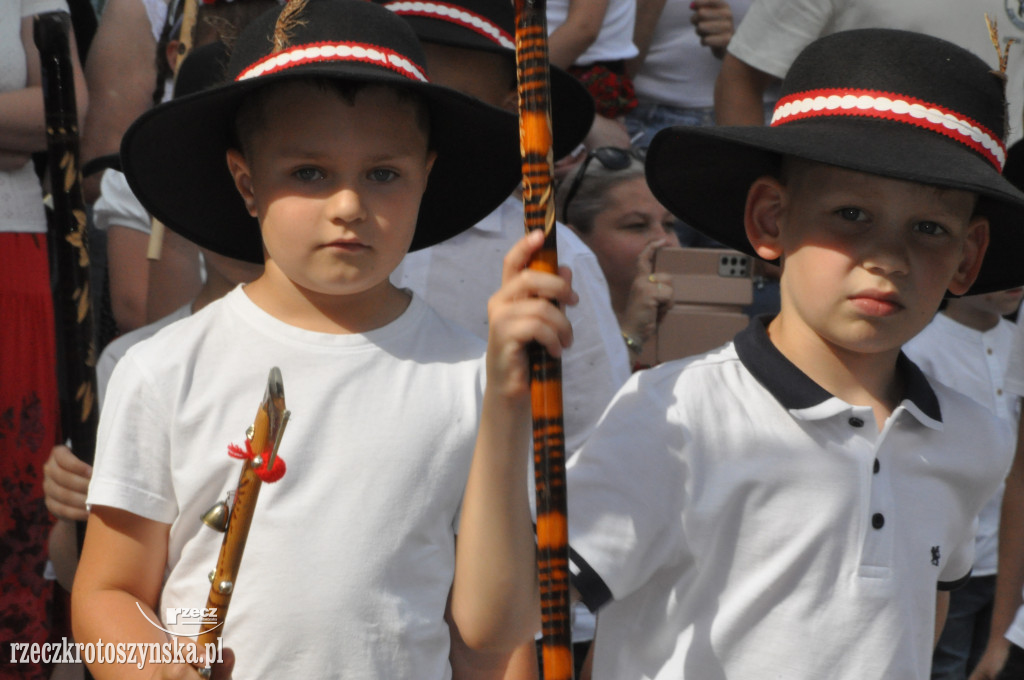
260 464
76 340
545 371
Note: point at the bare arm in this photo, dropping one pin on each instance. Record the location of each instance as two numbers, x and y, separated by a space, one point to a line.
739 93
647 14
129 276
581 28
121 73
941 612
22 118
1010 579
173 280
497 609
468 664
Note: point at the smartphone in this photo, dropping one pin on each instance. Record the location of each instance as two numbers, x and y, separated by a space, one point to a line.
711 287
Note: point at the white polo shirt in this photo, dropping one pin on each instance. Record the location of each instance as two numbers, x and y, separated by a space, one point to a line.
747 524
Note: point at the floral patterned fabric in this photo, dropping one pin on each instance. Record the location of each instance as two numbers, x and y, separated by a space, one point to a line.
28 426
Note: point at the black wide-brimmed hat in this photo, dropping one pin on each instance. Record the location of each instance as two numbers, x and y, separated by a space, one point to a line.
489 25
890 103
174 155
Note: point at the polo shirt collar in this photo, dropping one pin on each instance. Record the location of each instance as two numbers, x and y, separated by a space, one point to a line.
795 391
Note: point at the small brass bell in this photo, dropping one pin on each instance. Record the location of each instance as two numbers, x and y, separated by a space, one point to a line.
217 517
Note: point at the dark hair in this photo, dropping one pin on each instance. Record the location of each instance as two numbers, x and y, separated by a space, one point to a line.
249 119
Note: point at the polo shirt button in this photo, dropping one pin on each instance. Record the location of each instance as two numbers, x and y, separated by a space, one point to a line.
988 351
877 520
878 466
856 422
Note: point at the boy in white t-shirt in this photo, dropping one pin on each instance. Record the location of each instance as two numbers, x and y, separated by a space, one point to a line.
967 347
346 157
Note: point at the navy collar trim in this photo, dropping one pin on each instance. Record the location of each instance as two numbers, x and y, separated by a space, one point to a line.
792 388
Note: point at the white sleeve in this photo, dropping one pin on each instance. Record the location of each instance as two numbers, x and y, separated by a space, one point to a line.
132 469
30 7
774 32
625 491
117 205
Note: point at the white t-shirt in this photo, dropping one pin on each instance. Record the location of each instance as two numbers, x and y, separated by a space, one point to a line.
678 71
21 198
774 32
458 276
350 557
733 511
614 41
974 363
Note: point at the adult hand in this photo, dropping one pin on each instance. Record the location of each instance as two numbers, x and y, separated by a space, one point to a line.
650 296
713 21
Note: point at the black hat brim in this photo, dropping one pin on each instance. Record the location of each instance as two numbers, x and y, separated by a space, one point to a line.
703 175
174 158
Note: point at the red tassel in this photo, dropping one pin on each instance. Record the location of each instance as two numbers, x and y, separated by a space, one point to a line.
269 476
273 474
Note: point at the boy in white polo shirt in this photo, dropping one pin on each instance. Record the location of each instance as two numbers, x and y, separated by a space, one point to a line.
795 503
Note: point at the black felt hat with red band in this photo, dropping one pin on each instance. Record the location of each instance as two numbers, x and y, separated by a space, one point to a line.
890 103
489 25
174 155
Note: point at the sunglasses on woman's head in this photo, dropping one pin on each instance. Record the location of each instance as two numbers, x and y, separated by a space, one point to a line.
611 157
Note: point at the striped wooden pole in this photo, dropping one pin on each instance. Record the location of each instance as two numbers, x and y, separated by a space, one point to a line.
545 371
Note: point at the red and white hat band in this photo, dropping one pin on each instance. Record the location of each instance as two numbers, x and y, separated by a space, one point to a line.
333 51
888 106
455 15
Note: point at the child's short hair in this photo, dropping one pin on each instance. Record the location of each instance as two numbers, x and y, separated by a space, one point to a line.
174 154
890 103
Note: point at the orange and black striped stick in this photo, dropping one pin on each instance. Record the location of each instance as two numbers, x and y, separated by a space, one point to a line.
545 370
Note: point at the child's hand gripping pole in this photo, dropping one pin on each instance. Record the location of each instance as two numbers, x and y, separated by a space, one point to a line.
261 464
545 371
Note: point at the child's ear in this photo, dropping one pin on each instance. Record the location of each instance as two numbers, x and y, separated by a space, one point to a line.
766 200
972 256
239 169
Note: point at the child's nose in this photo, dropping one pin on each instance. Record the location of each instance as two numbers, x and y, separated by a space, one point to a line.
887 254
347 205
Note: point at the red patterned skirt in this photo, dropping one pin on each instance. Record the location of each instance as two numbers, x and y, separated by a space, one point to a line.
28 427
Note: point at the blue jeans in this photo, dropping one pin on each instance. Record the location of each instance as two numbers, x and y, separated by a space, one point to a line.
966 632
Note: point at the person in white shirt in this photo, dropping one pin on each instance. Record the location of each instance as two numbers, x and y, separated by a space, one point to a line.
967 347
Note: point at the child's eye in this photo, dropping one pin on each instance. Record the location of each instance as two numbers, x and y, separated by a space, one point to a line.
931 228
852 214
308 174
382 175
